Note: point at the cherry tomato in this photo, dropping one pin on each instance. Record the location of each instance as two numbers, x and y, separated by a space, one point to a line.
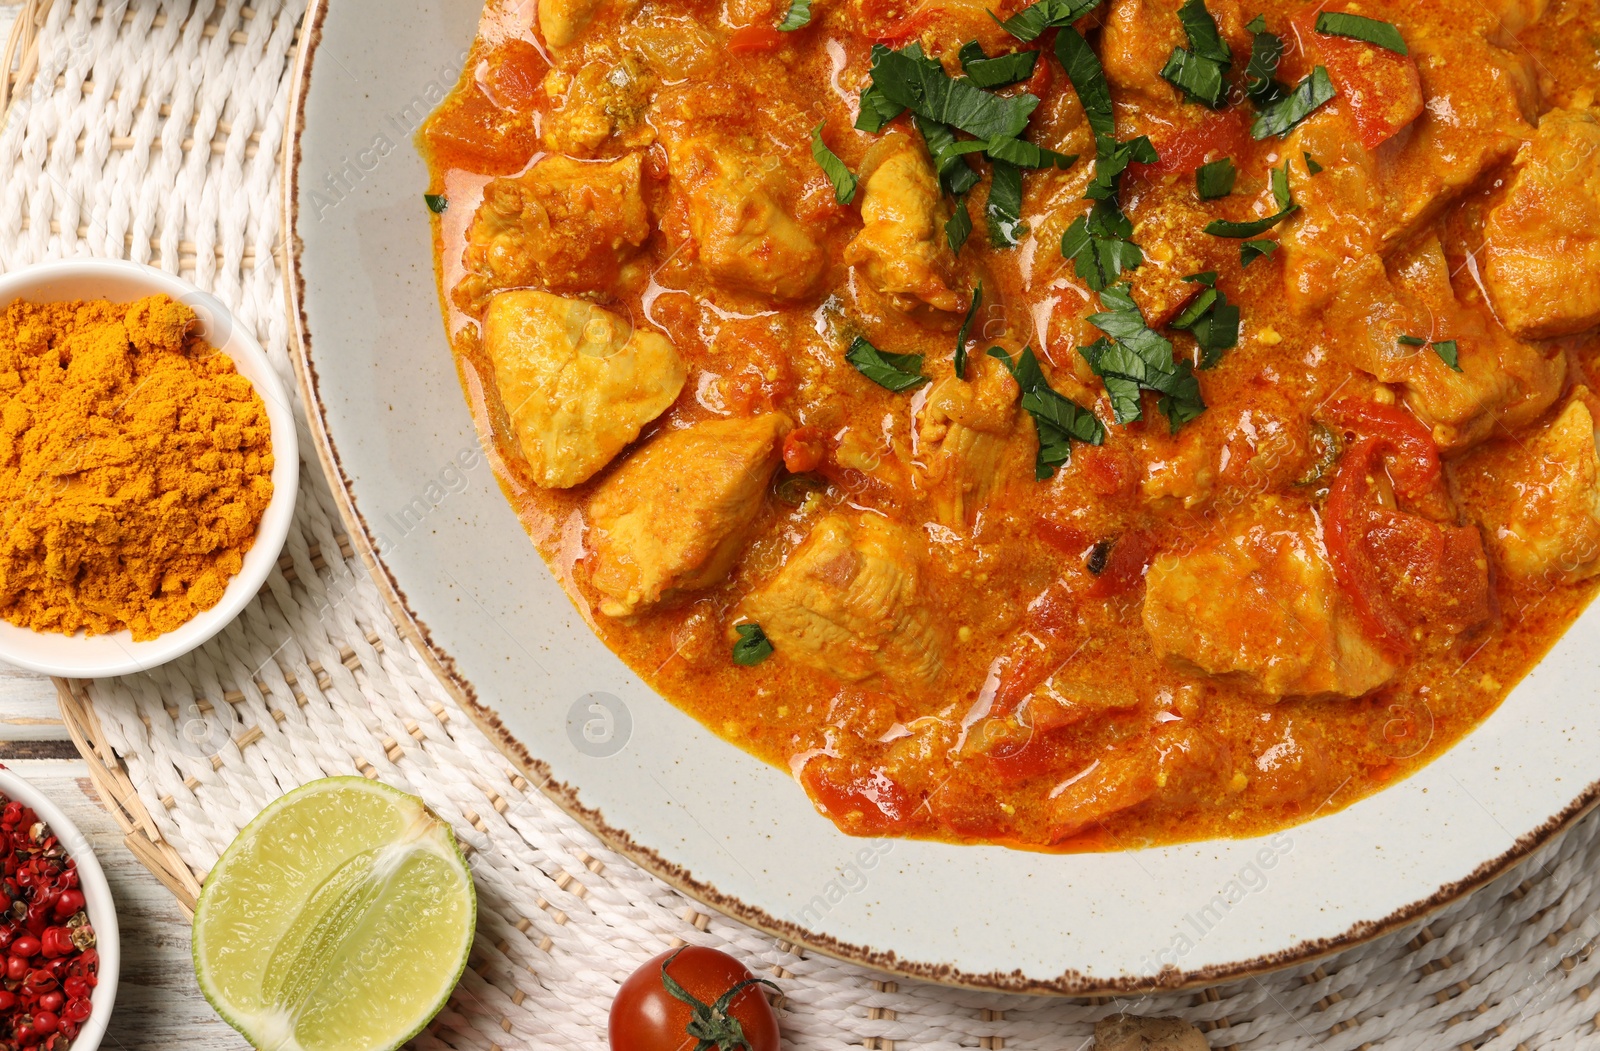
692 997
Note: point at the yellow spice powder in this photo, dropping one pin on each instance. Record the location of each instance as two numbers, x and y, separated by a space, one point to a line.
135 466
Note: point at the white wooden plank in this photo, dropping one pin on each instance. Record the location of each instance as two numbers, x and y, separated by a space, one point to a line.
28 709
159 1006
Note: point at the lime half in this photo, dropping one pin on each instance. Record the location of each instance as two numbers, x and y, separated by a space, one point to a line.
339 920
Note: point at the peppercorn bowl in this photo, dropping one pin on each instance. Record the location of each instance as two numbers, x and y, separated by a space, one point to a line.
117 653
102 917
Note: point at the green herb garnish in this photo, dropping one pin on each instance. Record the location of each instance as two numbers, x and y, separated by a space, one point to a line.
1211 320
960 361
1135 358
959 226
1112 159
910 80
1286 208
1356 27
1413 341
1058 420
436 202
999 71
956 176
1448 353
1216 179
1088 79
798 15
844 182
1003 209
1199 72
751 649
1101 246
1266 53
1027 155
1250 251
896 372
1311 164
1031 21
1281 117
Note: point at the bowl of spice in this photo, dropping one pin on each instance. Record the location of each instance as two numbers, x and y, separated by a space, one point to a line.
148 467
59 951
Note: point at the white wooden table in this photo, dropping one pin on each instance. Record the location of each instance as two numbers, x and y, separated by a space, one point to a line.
159 1007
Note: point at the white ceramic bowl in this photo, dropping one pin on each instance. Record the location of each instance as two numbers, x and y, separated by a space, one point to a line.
97 895
84 657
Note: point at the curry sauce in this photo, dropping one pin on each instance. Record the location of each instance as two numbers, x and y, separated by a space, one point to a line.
1177 499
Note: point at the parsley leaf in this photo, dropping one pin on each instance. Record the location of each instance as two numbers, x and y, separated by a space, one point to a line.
1250 251
799 14
1031 21
1136 358
1311 164
909 79
436 202
1448 353
1100 245
956 176
1280 118
752 646
1058 420
1413 341
896 372
1112 159
1199 71
1027 155
1211 320
1003 209
959 226
999 71
1088 80
1266 53
1370 30
1286 208
966 327
844 183
876 111
1216 179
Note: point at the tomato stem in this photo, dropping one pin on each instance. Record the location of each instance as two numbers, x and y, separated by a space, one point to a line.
711 1024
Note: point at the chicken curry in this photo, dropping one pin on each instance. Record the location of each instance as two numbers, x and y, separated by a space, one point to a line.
1075 426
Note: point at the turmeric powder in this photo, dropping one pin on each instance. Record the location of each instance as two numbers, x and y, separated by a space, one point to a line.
135 466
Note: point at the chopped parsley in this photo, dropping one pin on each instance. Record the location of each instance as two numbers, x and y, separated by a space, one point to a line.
1250 251
959 226
1112 159
436 202
1311 164
1088 80
1412 341
1356 27
798 15
1281 117
1027 155
1448 353
910 80
1255 227
1200 71
844 182
1266 53
896 372
1101 246
999 71
1136 358
1003 209
960 361
1210 319
1058 420
1033 20
752 646
1216 179
956 176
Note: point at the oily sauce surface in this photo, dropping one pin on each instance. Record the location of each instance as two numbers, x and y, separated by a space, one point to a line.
1060 716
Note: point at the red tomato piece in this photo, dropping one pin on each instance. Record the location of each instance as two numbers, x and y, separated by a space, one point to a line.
804 449
1382 88
755 38
1198 135
713 990
1129 557
861 803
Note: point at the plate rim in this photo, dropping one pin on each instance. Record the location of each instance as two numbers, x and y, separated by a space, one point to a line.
439 661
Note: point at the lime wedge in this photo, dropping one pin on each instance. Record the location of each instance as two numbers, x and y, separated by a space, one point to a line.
338 920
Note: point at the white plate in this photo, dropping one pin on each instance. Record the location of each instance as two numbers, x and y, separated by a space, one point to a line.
394 429
87 657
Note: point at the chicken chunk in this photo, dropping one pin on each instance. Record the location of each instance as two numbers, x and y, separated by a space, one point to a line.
1544 520
564 225
577 382
1258 602
562 20
1541 246
902 246
967 424
605 98
744 238
675 516
849 602
1516 15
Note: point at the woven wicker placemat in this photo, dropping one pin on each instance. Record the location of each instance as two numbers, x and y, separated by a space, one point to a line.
151 130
